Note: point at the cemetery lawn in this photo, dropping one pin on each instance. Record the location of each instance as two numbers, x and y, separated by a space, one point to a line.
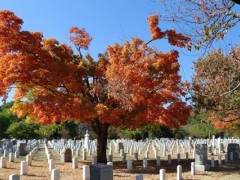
39 169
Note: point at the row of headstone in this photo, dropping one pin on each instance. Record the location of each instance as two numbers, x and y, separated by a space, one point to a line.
162 174
135 149
23 165
23 147
131 146
200 153
201 156
55 173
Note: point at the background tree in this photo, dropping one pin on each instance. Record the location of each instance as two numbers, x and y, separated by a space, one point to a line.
23 130
6 118
46 131
10 127
216 86
133 84
202 20
198 125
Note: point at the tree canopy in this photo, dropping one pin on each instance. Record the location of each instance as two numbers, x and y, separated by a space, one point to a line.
132 84
216 86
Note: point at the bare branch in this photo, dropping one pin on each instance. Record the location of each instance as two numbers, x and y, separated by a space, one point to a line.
203 20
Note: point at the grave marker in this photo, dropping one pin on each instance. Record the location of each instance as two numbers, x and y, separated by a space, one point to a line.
234 148
14 177
201 162
22 149
66 155
101 172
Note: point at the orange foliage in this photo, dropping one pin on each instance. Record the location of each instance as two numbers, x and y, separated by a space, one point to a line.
133 84
141 76
175 39
81 38
156 31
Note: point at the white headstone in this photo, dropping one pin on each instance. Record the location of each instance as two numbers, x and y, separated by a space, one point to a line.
3 162
51 164
16 154
23 168
55 174
146 154
86 172
213 141
179 172
155 153
49 156
84 155
86 141
11 157
5 153
162 174
110 163
29 160
192 168
74 162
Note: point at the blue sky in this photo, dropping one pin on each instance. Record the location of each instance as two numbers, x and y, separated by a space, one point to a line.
107 21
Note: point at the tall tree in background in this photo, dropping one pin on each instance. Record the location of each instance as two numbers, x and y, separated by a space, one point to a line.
203 20
217 87
133 84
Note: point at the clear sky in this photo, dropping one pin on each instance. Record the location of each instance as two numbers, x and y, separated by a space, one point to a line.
107 21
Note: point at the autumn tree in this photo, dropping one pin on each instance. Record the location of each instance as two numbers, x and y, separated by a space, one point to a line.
216 86
203 20
133 84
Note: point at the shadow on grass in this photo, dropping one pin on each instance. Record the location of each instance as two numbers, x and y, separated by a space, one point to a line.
37 166
34 175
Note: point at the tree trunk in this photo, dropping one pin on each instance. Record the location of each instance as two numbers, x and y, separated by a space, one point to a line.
101 131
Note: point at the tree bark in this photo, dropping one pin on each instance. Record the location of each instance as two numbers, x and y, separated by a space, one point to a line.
101 131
